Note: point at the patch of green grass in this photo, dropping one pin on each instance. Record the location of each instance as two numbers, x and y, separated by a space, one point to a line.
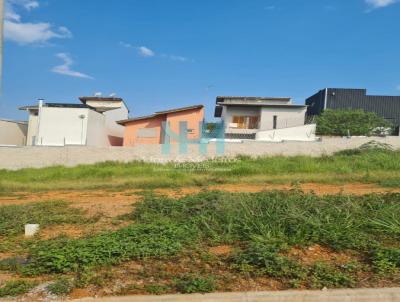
262 227
191 283
264 259
327 275
156 289
386 260
61 287
16 288
382 166
134 242
14 217
337 221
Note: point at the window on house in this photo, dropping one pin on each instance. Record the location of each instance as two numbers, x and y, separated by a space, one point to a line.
253 122
246 122
275 122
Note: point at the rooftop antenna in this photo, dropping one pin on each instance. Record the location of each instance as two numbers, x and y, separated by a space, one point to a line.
97 94
113 95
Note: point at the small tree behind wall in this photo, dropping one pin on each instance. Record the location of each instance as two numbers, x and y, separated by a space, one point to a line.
351 122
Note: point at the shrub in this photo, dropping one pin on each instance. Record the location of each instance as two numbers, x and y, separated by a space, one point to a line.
338 221
60 287
156 289
386 260
372 146
264 259
189 284
16 288
350 122
326 275
133 242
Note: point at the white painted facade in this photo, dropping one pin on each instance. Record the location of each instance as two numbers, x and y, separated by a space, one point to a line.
13 133
114 109
54 126
114 115
90 124
269 115
32 128
286 117
305 133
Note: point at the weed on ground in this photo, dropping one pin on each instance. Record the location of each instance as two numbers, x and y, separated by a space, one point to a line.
216 240
370 164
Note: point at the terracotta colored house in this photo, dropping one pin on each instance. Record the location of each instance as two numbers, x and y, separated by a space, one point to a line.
148 129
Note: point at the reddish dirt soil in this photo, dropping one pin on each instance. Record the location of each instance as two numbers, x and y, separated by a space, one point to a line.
221 250
316 253
113 204
79 293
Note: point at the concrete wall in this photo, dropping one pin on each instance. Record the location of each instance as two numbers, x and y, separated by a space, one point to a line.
12 133
32 129
286 117
115 131
96 130
64 126
23 157
59 126
300 133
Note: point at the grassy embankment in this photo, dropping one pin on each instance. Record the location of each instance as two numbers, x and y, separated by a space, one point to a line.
267 235
381 167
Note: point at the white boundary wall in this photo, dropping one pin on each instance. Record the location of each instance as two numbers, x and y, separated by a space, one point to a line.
300 133
24 157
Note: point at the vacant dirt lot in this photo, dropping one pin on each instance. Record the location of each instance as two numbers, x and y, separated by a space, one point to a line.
118 203
104 209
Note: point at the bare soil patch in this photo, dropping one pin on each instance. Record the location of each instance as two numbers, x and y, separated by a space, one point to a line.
113 204
221 250
316 253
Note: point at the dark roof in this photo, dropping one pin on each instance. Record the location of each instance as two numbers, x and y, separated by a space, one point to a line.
28 107
252 101
251 98
57 105
262 105
100 99
157 113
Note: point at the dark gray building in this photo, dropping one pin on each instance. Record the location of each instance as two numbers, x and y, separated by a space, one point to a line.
387 107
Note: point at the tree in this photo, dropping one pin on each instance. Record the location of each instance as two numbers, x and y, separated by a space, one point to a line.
351 122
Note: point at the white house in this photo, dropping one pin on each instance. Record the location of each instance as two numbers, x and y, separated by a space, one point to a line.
61 124
263 118
13 133
114 110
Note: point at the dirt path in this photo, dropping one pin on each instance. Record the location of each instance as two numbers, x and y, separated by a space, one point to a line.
117 203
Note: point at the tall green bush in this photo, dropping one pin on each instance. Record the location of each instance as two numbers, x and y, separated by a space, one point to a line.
353 122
